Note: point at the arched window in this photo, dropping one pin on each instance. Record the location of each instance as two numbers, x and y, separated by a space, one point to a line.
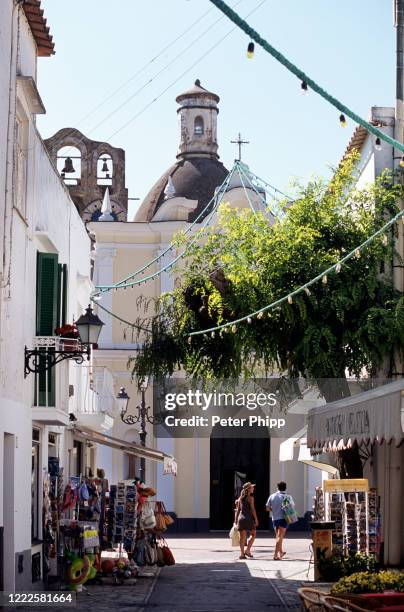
105 169
69 165
198 126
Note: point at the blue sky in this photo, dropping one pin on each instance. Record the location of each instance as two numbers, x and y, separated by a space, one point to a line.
348 47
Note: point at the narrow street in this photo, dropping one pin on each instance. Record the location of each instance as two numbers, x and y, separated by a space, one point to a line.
209 576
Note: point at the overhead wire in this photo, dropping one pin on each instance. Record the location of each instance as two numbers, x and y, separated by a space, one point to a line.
163 69
202 57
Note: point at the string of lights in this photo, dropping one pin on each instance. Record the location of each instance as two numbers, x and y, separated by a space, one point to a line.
131 283
275 209
306 81
323 277
268 187
246 193
120 319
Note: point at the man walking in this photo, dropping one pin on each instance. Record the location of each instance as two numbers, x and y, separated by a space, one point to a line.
274 505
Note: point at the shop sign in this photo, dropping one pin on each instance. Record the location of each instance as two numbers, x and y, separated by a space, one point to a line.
348 423
346 485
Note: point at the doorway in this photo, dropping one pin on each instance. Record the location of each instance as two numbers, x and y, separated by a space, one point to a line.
7 561
233 462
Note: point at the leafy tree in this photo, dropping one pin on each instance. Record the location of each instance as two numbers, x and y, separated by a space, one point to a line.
351 323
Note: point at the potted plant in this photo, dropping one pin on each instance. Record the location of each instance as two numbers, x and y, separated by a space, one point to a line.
69 336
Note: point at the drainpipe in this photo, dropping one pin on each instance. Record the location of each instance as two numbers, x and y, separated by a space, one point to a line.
399 134
393 527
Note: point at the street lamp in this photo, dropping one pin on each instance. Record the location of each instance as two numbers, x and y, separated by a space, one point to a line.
89 327
143 416
47 351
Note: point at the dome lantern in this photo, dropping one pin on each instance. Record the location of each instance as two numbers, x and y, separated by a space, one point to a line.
198 122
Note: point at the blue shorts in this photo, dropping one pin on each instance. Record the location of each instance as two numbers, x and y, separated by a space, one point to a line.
279 523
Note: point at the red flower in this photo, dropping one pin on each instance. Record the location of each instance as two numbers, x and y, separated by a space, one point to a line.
67 331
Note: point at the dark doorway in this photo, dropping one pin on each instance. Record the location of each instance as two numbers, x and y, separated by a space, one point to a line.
233 461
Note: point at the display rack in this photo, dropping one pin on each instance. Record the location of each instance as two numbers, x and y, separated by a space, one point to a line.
354 509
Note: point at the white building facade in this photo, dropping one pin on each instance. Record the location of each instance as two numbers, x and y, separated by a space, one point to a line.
45 283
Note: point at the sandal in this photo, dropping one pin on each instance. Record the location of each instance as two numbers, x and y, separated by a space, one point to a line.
249 555
242 557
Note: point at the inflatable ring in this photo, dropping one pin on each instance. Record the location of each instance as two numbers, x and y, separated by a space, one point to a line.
79 571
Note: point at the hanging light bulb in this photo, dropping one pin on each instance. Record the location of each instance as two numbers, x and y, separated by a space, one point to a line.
385 240
402 162
249 320
324 280
342 120
189 339
290 299
260 315
357 253
212 335
304 88
338 268
250 50
234 328
378 144
307 291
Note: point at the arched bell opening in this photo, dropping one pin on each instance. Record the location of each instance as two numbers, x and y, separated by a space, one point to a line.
69 164
105 169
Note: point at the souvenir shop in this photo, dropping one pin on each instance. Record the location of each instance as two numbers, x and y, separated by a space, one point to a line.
102 532
367 515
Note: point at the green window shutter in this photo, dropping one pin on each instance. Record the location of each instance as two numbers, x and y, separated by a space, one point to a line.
46 294
47 309
59 321
64 294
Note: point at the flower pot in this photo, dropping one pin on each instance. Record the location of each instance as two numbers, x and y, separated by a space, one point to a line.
69 344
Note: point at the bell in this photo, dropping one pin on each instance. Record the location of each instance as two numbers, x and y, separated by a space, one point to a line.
68 167
104 166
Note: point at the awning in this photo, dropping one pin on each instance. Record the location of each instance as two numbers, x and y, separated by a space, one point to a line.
286 449
372 416
323 462
128 447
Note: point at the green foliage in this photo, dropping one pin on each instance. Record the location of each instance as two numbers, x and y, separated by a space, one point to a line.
337 565
350 323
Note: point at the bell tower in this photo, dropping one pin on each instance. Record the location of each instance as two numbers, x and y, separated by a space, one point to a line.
198 122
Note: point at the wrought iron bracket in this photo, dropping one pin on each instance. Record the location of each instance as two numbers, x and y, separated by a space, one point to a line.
141 417
40 360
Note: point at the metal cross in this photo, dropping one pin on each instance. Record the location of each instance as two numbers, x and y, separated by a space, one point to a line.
239 142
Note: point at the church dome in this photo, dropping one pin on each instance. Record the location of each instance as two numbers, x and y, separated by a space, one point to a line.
188 185
195 178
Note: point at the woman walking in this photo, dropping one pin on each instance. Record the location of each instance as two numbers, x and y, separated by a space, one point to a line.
246 519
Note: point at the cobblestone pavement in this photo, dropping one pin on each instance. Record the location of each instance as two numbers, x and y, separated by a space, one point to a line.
209 577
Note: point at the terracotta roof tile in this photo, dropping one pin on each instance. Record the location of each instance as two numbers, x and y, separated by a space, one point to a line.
40 31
